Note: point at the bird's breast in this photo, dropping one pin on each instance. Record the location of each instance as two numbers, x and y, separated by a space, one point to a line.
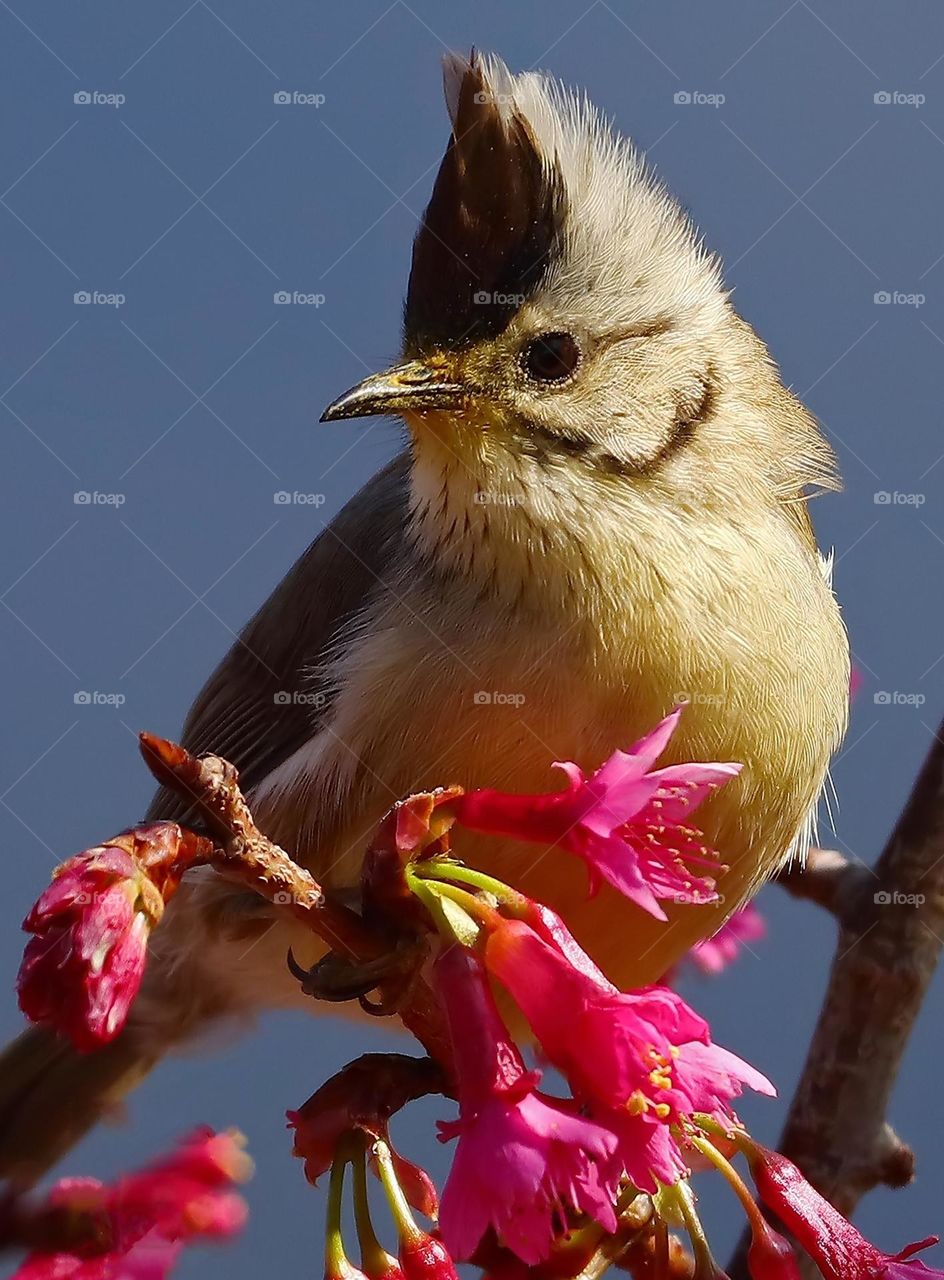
442 684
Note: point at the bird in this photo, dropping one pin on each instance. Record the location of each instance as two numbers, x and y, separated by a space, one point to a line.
600 511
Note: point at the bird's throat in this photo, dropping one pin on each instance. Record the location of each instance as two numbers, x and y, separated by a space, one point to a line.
510 524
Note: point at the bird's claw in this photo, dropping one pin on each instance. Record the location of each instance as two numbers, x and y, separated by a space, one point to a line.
336 979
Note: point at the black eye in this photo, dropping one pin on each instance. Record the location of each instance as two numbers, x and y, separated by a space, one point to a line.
551 358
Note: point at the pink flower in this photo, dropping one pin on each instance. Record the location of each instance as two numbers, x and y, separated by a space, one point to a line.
629 824
833 1243
189 1192
643 1059
520 1155
136 1229
82 969
714 954
150 1258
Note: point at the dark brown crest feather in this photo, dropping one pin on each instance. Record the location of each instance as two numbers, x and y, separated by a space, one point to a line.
490 225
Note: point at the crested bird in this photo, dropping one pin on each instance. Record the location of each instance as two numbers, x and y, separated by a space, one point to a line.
600 510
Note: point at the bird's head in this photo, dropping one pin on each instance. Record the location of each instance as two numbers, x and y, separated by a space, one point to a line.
565 327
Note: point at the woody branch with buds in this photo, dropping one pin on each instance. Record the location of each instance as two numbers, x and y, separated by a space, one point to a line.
553 1185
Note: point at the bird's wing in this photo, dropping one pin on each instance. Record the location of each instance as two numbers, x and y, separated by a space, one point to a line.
249 710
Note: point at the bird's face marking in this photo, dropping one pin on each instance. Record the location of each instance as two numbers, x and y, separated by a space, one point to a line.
615 404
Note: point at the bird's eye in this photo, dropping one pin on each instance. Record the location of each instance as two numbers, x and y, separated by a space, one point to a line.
552 357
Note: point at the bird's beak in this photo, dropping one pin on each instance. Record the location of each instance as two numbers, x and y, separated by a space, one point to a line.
409 387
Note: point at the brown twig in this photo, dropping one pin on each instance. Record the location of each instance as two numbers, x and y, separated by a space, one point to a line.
891 933
827 878
211 784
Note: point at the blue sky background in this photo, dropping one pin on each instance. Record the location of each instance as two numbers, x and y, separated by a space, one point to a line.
197 198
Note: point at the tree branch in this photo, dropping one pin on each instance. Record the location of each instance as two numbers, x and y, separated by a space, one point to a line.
891 933
827 878
360 950
212 785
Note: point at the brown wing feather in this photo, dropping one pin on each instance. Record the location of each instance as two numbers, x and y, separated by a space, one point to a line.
236 714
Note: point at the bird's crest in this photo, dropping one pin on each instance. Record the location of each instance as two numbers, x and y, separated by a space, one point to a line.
536 191
490 226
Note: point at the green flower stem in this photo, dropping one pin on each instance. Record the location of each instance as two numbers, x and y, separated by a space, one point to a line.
375 1260
735 1181
705 1264
430 900
336 1261
455 925
469 903
510 898
399 1206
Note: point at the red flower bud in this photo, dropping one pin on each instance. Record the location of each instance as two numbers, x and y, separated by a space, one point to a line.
82 969
423 1257
137 1227
837 1248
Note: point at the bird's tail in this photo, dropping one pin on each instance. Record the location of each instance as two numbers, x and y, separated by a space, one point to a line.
51 1095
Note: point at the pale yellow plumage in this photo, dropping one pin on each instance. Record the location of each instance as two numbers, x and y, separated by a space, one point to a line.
636 603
